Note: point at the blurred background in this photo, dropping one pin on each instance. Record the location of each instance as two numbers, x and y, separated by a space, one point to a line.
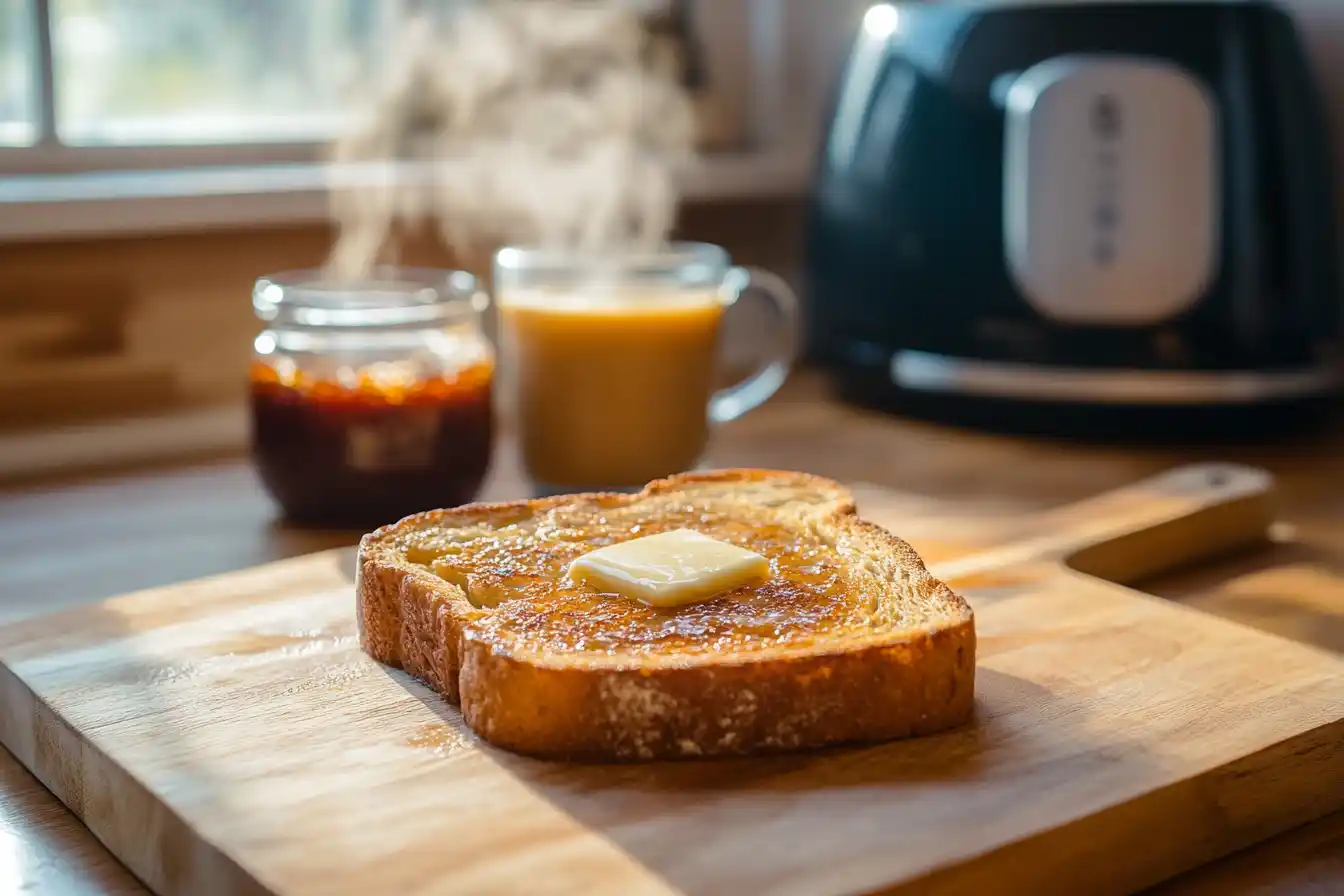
156 157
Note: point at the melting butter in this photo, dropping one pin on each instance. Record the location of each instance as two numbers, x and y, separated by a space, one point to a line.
670 569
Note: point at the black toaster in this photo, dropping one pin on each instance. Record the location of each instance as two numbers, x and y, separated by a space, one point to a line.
1078 217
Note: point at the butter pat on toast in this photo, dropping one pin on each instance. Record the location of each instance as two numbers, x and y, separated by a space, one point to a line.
846 639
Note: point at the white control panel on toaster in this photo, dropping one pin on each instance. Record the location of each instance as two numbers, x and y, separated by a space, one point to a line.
1112 200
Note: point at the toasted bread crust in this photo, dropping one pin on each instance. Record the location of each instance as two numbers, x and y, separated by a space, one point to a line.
849 690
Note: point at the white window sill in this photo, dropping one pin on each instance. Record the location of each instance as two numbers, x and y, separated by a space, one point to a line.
122 203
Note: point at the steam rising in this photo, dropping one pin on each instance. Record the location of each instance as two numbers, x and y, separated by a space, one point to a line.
538 122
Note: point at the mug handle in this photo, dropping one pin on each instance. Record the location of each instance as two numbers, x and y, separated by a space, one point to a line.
731 403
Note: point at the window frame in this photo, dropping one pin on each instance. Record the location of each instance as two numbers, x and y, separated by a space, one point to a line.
756 25
52 191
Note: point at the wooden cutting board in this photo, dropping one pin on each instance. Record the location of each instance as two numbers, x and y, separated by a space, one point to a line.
227 735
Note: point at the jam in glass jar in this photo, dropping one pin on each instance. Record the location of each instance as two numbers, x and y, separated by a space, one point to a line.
371 399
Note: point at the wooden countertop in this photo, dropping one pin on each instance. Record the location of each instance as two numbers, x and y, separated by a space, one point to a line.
64 543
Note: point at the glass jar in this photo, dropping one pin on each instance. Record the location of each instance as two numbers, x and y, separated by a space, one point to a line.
371 400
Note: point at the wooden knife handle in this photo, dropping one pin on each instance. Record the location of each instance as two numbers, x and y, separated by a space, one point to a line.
1178 518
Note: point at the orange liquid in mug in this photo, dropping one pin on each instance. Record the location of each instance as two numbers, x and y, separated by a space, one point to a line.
611 393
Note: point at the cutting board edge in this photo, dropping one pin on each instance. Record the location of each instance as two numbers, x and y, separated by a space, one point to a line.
1040 855
207 868
64 761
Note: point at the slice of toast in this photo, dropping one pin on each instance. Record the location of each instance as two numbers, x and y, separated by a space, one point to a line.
849 640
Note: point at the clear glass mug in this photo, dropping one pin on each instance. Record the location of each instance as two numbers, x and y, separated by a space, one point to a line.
611 359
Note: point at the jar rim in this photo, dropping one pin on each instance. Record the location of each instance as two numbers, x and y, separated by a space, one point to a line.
390 296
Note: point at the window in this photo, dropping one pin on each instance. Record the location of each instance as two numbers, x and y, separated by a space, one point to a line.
167 72
18 89
133 115
204 78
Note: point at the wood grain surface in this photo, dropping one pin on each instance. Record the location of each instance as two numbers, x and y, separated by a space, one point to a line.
227 735
964 491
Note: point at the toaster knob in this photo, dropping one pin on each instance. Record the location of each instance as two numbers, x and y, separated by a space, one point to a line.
1111 198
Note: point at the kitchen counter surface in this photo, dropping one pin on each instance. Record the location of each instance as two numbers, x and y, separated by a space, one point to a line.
67 542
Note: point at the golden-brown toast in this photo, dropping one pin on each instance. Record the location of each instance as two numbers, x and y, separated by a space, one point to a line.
850 639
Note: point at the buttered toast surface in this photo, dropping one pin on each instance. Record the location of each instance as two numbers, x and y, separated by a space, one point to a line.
847 639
